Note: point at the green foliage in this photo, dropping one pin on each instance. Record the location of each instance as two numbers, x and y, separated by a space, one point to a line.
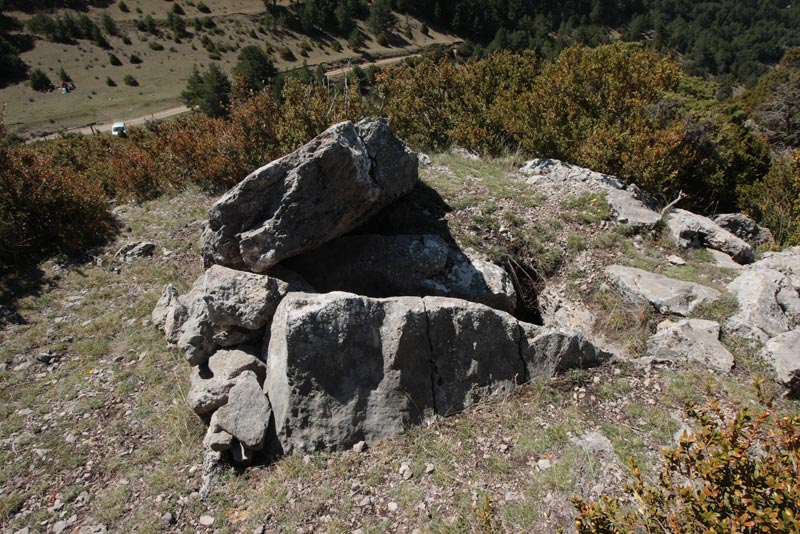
209 90
731 474
63 76
255 68
66 27
775 199
114 60
356 39
130 80
123 6
40 81
619 109
381 20
134 59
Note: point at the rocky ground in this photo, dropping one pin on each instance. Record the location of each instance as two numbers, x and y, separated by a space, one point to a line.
97 437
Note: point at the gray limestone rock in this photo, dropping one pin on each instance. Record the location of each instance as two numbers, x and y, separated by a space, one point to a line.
768 305
344 368
628 204
693 340
247 413
216 438
210 384
169 314
132 251
226 308
745 228
475 352
548 351
783 353
786 261
691 230
321 191
404 265
666 294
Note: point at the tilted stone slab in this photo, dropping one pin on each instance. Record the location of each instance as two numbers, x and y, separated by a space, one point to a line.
688 229
404 265
321 191
665 294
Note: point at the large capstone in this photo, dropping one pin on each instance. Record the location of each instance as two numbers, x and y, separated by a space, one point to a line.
319 192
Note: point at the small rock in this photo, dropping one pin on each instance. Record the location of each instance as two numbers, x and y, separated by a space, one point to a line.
405 471
59 527
167 519
206 520
44 357
360 446
392 506
258 530
676 260
543 464
364 501
25 412
3 367
429 468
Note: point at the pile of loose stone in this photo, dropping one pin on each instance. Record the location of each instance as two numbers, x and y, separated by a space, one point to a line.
306 332
767 290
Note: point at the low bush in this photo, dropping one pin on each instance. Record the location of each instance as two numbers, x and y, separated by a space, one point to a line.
40 81
45 206
730 474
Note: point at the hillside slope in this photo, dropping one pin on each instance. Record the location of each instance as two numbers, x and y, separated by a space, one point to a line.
166 59
97 436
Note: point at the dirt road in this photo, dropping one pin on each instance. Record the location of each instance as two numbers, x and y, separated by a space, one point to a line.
106 126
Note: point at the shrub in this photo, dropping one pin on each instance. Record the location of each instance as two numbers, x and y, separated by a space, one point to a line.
130 80
775 200
45 207
356 39
134 59
114 60
732 474
123 7
202 8
155 45
40 81
286 53
110 82
63 76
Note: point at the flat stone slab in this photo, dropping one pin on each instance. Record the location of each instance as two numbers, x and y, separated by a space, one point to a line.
693 340
688 229
665 294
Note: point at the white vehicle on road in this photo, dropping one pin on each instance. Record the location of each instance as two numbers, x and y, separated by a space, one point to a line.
119 129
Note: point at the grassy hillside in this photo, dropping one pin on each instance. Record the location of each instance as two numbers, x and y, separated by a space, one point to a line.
96 432
162 73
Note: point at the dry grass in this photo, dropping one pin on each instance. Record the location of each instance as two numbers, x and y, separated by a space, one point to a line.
162 74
